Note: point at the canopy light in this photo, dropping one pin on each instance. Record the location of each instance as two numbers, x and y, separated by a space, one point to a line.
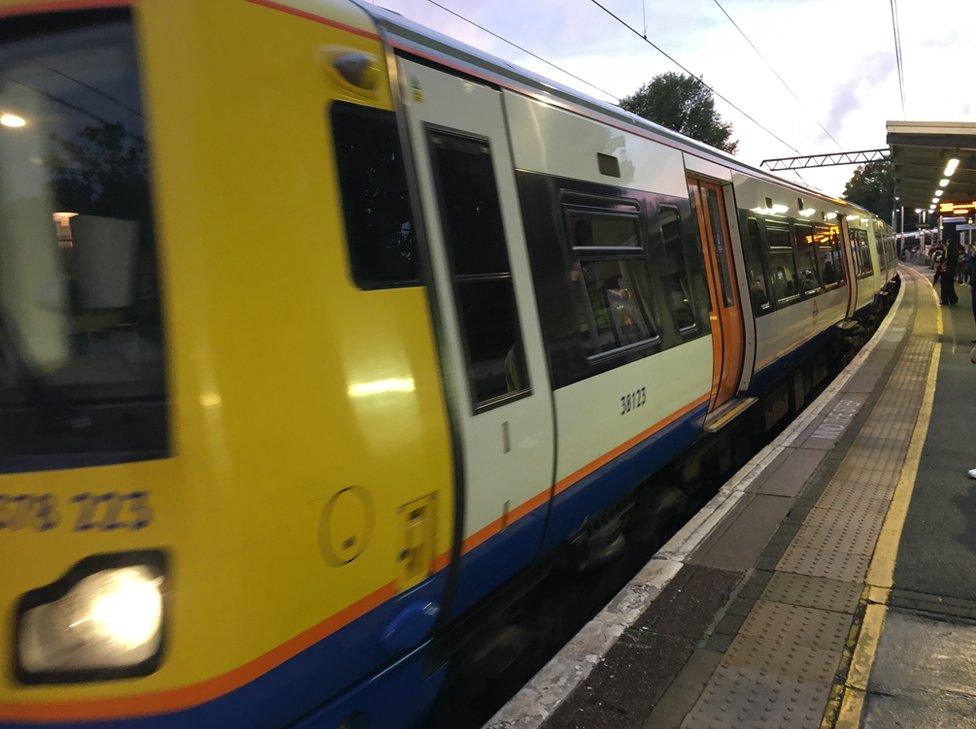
939 193
935 200
943 182
951 167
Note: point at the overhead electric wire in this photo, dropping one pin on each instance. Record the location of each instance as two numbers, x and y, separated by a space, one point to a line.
492 33
684 68
775 72
616 98
93 89
896 31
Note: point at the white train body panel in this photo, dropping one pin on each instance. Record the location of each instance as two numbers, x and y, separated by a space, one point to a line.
556 142
588 413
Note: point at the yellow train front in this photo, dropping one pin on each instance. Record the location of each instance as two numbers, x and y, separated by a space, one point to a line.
226 466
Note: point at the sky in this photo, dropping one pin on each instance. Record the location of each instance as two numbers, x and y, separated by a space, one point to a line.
836 55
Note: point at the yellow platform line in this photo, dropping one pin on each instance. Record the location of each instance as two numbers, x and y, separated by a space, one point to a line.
879 580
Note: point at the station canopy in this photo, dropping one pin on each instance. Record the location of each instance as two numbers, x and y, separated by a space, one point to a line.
920 153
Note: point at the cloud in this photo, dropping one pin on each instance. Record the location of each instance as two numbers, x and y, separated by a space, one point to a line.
850 95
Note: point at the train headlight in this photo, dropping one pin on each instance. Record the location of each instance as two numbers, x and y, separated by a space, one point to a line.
92 625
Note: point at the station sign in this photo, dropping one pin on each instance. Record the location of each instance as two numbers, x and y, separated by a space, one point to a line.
957 208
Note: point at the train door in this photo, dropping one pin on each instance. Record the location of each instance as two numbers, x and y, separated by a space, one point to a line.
491 347
850 266
726 312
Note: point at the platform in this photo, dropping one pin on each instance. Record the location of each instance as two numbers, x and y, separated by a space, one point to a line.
830 583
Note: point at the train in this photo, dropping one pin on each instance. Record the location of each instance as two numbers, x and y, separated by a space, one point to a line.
319 330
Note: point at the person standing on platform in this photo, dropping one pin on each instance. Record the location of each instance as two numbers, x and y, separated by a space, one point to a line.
948 278
938 258
965 255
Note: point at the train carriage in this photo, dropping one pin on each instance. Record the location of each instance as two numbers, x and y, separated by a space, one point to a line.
318 330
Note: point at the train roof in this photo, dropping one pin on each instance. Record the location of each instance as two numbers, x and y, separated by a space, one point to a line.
421 41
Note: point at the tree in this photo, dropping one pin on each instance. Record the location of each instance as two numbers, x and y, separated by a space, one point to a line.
872 187
684 104
101 171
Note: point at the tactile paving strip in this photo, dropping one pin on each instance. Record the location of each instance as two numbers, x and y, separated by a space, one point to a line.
790 660
736 698
820 563
845 496
784 624
826 516
902 432
837 530
834 537
816 592
779 668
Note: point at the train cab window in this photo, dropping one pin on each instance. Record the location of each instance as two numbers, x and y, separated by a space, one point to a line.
782 266
474 234
376 204
82 363
609 276
758 288
679 294
806 257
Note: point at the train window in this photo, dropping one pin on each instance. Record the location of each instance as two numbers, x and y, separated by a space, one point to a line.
603 231
829 254
862 253
471 220
679 295
882 260
806 256
610 279
376 204
782 266
758 288
82 365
